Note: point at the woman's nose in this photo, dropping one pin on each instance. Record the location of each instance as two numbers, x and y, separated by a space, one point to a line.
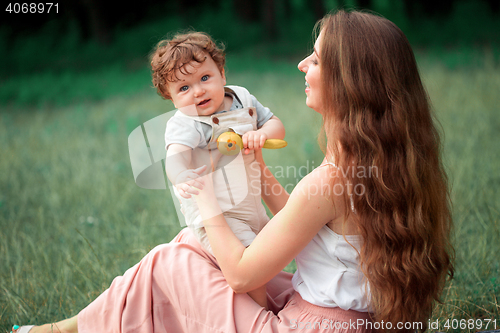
302 66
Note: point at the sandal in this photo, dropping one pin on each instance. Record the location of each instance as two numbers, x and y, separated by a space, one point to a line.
22 329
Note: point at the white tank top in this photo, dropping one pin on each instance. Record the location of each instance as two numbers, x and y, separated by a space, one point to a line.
328 272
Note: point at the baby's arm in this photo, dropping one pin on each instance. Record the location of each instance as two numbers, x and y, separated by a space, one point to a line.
177 164
272 129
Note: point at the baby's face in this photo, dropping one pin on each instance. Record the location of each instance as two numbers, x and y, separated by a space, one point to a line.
202 91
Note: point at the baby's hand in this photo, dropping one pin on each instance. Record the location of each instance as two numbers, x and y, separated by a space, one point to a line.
253 140
189 182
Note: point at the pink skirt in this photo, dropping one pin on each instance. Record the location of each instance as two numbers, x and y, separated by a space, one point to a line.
178 287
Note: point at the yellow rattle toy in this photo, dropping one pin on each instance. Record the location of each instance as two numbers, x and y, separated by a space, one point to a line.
230 143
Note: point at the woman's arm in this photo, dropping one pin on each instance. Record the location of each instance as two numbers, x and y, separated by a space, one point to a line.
273 193
307 210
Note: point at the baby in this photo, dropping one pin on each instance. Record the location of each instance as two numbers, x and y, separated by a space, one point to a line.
189 70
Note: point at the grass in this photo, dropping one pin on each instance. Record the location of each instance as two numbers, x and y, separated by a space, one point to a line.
468 108
72 217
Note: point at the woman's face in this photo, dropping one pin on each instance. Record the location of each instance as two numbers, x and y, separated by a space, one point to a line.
311 65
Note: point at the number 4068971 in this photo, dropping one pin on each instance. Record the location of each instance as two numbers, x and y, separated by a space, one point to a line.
32 8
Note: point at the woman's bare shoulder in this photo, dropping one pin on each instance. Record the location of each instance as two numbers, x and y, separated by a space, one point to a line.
320 178
322 187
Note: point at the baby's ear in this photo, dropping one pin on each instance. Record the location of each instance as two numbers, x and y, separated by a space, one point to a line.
223 74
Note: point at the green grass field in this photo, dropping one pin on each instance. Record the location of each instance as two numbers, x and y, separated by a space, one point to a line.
72 217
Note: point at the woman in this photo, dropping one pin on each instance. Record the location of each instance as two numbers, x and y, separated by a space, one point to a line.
369 228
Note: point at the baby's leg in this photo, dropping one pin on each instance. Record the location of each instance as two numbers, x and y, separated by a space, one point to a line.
259 295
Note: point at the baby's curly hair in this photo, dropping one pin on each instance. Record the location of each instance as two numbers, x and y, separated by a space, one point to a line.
172 55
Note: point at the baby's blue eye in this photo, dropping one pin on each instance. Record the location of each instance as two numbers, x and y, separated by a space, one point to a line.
204 77
184 88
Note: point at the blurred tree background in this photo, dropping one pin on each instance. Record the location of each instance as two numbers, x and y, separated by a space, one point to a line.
86 35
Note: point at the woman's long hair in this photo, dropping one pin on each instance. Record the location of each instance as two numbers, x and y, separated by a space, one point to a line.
381 135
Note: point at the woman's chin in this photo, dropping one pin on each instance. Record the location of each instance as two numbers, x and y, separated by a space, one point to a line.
314 107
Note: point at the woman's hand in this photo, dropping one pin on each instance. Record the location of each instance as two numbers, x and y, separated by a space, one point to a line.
189 182
206 198
259 158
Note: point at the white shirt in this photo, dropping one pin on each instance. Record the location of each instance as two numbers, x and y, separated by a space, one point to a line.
328 272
